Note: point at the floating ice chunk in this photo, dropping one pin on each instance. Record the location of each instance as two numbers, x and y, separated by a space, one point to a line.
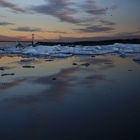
30 50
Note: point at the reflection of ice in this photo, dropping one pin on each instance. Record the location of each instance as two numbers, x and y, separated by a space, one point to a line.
137 59
8 85
64 51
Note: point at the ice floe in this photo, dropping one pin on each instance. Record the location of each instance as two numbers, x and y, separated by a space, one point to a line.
65 51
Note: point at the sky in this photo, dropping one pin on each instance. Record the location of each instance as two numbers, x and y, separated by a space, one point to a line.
69 19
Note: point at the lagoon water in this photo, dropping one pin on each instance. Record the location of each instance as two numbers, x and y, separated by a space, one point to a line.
74 98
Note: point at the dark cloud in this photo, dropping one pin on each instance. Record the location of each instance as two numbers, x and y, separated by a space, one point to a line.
28 29
15 38
97 11
68 11
95 28
4 37
11 6
58 32
1 16
91 8
71 12
105 22
127 35
113 7
60 9
6 23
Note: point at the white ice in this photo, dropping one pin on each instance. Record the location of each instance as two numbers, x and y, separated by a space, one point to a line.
65 51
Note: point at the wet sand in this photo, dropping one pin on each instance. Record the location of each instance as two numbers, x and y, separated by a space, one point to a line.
79 98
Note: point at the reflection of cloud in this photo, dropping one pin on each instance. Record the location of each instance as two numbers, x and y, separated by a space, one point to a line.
96 77
59 86
106 67
99 64
61 76
101 61
56 92
104 64
91 80
4 86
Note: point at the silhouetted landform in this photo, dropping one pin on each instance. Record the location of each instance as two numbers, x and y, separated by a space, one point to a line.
91 43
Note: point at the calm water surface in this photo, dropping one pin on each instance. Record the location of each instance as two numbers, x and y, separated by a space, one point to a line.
58 100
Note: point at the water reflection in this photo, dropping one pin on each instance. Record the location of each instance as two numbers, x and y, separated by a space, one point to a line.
138 62
4 86
59 83
100 101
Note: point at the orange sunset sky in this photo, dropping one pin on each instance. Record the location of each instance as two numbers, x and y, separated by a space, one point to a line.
69 19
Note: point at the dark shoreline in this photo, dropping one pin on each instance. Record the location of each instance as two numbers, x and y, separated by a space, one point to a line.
91 43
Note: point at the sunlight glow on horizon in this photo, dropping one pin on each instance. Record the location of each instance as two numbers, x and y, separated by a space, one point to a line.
69 19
